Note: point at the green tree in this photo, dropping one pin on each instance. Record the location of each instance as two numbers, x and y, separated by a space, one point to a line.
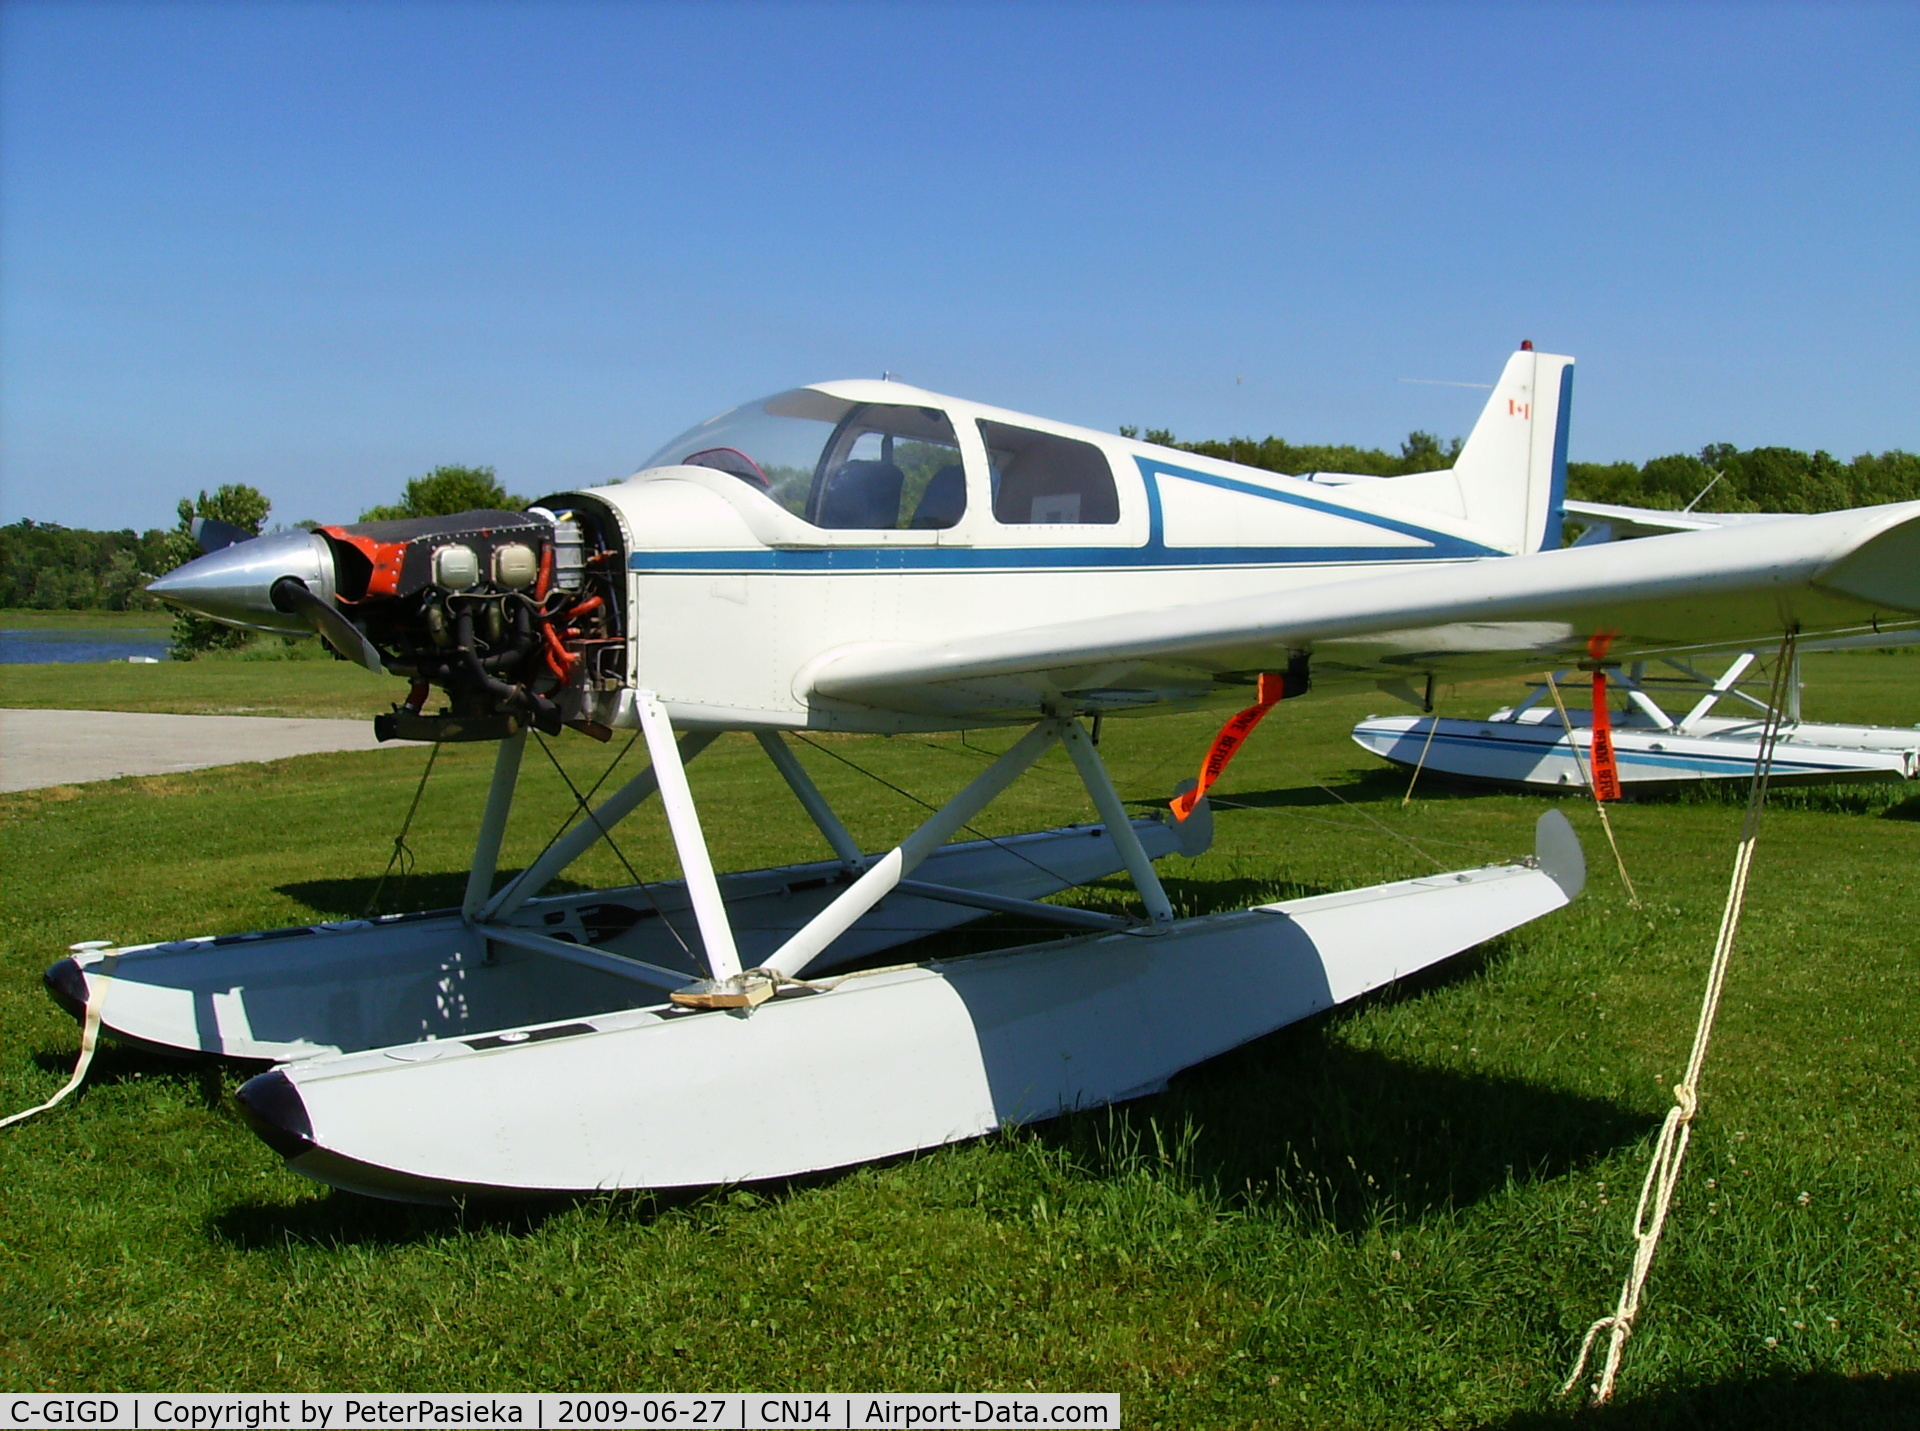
121 582
1422 452
51 567
243 506
1757 479
445 491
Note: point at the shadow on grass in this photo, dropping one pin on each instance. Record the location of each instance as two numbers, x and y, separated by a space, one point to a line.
1347 1137
1359 786
340 1219
115 1063
346 1219
1191 897
403 894
1370 787
1884 799
1819 1401
1907 809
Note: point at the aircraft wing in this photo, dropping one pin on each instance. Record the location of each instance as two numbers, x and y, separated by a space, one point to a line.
1652 521
1736 586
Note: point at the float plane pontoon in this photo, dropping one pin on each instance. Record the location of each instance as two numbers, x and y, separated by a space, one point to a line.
1529 744
870 557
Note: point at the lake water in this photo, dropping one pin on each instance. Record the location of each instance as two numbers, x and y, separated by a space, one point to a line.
38 647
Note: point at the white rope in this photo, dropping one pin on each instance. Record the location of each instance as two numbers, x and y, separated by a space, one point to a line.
1663 1172
1580 764
102 975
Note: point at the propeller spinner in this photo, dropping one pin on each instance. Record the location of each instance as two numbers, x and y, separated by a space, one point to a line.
282 583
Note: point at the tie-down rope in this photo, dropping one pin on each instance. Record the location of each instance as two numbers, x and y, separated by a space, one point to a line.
89 1040
1580 764
1663 1172
1433 724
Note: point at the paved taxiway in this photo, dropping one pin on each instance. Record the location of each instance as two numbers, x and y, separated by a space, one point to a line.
40 748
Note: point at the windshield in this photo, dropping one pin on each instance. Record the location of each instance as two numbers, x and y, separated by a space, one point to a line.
834 463
774 444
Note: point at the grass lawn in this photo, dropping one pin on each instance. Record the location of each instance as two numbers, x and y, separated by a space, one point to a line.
1400 1214
213 685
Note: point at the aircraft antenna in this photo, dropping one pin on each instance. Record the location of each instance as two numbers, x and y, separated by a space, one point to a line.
1703 492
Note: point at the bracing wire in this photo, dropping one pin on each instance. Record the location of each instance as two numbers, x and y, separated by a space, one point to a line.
567 823
402 855
909 795
1433 724
607 835
1580 763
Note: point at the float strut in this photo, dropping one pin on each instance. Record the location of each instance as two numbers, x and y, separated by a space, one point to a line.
1114 815
716 933
810 797
585 835
493 824
886 872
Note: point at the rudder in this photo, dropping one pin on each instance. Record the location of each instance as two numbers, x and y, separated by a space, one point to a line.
1512 473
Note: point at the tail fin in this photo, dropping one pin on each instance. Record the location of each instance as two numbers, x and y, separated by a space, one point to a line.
1512 473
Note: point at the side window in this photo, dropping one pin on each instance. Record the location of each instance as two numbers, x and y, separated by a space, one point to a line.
1043 480
889 467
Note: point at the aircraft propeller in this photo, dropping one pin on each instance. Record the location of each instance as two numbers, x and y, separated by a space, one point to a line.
212 534
296 598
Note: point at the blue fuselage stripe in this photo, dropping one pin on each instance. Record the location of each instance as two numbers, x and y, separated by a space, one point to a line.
1557 491
1436 546
902 559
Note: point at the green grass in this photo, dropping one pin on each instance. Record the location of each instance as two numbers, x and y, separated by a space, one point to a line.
1401 1214
229 684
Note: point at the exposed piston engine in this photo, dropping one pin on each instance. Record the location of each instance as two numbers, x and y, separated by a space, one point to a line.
518 617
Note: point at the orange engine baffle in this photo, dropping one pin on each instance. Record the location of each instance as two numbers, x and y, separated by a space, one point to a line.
373 560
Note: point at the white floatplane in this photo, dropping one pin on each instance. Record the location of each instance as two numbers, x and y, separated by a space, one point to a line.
1529 744
867 556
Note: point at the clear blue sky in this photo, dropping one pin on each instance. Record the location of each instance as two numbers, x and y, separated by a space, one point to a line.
323 247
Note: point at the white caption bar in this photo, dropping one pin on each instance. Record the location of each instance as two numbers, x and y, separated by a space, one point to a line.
907 1411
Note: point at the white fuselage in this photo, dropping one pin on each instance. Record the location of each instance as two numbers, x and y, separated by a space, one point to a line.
734 599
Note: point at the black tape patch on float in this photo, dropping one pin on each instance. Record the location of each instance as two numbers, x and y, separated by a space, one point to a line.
292 931
520 1036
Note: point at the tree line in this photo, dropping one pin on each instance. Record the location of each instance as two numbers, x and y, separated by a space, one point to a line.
1421 452
48 567
1723 478
1720 477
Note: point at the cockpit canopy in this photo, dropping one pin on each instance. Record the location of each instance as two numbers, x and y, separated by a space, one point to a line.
833 462
846 464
